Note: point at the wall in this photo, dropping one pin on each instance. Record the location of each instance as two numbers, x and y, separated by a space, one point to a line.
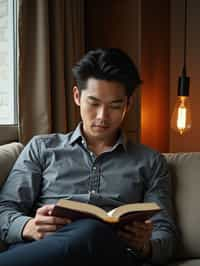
190 141
155 74
115 23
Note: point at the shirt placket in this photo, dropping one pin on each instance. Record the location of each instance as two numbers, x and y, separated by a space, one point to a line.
94 180
95 171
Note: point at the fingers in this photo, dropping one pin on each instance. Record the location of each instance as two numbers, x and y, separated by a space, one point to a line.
135 237
133 242
43 216
136 234
51 220
125 235
47 228
46 224
147 225
139 228
43 230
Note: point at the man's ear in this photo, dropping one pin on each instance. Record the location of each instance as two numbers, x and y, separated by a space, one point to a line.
76 95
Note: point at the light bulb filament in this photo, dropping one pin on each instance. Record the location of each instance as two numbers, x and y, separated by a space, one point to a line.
181 120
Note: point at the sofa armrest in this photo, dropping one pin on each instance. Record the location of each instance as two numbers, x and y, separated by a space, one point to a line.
185 172
8 155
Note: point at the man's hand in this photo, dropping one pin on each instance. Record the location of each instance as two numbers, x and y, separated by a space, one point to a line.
43 224
137 235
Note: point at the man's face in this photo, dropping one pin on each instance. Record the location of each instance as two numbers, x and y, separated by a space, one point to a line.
103 105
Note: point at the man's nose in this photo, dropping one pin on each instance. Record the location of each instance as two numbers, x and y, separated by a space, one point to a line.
102 113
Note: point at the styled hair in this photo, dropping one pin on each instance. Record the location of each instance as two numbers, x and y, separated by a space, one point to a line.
110 64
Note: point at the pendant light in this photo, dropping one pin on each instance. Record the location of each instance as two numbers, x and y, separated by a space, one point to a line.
181 120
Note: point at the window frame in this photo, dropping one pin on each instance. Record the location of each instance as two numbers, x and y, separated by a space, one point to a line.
9 132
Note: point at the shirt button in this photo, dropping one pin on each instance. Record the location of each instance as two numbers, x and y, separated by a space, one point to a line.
93 191
83 142
94 168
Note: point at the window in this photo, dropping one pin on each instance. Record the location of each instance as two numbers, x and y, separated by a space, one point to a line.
8 71
8 66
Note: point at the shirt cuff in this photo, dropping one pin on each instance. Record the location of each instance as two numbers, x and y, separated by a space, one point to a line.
16 228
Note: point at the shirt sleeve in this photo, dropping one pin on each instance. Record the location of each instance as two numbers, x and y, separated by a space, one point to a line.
19 192
159 190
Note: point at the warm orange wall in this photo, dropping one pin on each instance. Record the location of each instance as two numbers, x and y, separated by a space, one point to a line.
155 74
189 142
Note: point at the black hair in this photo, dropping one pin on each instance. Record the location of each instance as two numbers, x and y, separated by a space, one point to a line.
111 64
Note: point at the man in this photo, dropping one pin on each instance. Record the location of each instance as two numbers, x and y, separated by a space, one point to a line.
97 164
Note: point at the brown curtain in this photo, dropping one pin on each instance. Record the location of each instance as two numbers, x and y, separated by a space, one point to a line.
51 40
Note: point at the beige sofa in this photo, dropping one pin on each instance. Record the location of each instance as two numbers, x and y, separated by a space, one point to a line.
185 170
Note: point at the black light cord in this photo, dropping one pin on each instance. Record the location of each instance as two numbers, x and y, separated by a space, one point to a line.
185 38
184 81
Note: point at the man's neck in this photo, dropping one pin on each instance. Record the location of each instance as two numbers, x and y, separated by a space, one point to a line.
99 146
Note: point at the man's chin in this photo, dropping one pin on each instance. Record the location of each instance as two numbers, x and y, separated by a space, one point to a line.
100 132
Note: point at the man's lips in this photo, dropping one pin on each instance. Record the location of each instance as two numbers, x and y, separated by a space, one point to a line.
101 126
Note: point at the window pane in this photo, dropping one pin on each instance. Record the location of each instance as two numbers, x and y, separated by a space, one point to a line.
7 62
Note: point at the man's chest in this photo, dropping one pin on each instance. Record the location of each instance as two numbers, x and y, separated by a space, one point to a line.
114 176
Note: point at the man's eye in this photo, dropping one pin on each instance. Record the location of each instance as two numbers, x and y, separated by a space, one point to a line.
93 104
115 106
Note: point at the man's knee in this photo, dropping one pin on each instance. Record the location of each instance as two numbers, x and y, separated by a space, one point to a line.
91 226
88 233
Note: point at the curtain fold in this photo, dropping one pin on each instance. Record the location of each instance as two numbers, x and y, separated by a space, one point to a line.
51 40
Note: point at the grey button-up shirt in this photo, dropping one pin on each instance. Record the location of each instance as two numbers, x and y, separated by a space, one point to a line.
61 166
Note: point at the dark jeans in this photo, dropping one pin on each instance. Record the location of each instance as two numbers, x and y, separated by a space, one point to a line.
84 242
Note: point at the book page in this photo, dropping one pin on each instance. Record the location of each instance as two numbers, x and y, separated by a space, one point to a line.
133 207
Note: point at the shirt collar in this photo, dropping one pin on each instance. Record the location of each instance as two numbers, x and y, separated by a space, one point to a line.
122 140
77 134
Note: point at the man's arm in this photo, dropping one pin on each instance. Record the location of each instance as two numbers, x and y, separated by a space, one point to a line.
154 240
19 193
164 234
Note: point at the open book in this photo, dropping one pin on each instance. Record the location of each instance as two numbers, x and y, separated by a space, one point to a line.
126 213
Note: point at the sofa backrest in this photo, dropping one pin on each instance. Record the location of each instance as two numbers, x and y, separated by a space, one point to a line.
8 155
185 171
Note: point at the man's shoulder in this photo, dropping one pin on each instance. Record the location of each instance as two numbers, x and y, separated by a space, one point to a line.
51 140
143 152
140 148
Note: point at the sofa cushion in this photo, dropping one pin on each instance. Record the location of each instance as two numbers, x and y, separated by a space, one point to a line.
8 155
192 262
185 170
